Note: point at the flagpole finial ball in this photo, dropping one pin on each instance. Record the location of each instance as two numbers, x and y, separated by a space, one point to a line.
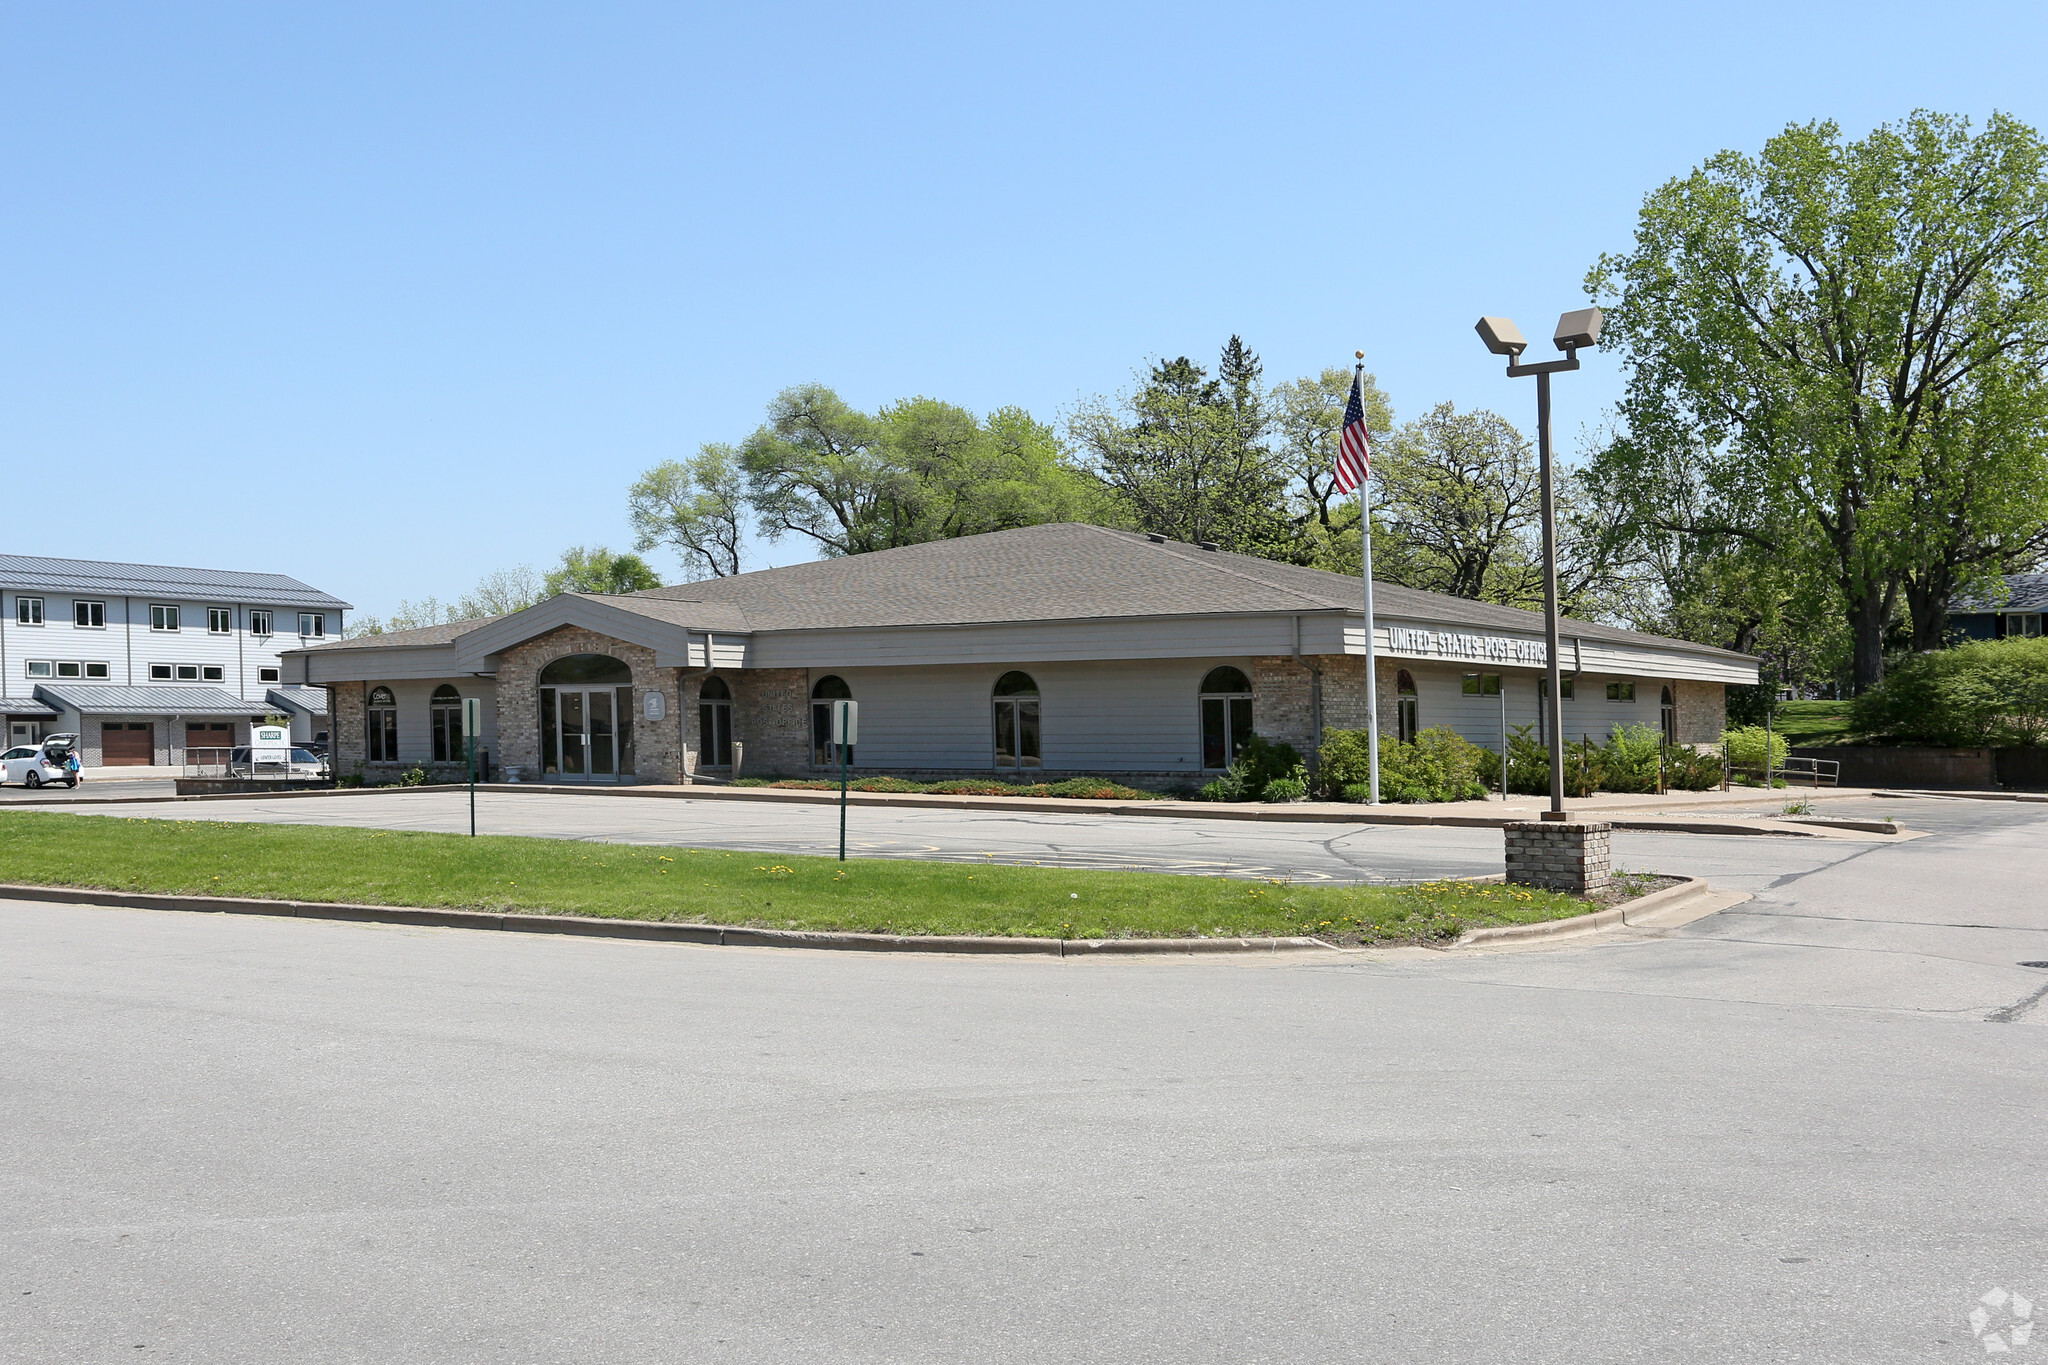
1359 354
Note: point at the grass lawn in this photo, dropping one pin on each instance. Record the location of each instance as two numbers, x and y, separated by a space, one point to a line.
628 881
1813 722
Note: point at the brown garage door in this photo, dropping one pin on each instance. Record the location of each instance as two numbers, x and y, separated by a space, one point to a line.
127 745
208 743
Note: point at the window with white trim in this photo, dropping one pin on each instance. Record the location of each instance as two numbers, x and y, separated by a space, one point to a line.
95 670
188 672
212 673
89 615
269 675
313 624
159 672
39 668
219 620
259 623
28 611
1621 691
162 617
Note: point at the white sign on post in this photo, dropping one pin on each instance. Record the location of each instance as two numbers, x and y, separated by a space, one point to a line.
845 722
473 718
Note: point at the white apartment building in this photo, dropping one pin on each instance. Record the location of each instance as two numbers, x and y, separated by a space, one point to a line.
145 663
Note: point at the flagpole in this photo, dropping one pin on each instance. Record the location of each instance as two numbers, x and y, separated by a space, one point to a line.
1372 682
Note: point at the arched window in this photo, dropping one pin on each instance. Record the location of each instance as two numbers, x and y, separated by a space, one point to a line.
1016 719
830 688
1226 706
1667 716
714 723
380 726
445 709
585 670
1405 713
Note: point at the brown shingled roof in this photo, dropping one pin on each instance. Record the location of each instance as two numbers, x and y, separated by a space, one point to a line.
1069 571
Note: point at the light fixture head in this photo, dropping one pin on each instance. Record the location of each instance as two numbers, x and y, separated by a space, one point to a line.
1581 328
1502 337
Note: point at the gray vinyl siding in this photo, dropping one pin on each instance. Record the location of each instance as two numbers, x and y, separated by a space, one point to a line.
1108 715
1441 701
413 697
128 646
1194 637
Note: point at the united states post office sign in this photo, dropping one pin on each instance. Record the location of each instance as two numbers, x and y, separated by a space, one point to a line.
1455 644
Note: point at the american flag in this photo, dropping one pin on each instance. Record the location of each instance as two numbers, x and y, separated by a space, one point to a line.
1354 452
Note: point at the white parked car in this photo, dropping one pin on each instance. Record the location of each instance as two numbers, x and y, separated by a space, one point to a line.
304 763
36 766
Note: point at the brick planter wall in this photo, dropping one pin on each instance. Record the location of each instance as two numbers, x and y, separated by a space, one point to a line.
1560 855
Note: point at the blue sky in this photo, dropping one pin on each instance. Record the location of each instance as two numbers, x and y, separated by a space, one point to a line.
389 296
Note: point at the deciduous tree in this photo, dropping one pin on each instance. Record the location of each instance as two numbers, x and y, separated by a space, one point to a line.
1850 338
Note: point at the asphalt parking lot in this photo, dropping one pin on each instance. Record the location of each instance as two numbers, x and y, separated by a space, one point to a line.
1302 852
158 1049
1803 1129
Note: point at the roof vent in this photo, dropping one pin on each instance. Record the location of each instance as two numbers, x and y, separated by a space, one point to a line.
1208 544
1155 538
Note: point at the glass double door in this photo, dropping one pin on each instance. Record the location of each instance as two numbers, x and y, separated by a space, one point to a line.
586 733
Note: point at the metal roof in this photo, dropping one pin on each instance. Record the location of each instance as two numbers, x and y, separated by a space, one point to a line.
26 706
2023 592
151 701
311 701
100 578
416 637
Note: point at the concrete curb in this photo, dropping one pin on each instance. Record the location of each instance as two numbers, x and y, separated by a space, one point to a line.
718 935
1905 794
734 936
1627 913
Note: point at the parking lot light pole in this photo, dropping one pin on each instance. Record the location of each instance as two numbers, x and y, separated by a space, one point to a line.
1502 337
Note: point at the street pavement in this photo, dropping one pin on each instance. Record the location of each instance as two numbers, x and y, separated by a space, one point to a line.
1805 1129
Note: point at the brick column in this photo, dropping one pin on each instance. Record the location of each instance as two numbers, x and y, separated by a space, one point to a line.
1283 706
1560 855
771 715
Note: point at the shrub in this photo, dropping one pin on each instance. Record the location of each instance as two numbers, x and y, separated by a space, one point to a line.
884 784
1440 765
1260 761
1744 748
413 777
1629 759
1091 789
1627 762
1987 692
967 786
1689 770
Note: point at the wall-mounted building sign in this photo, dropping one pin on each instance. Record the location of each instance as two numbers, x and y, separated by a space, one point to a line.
1453 644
